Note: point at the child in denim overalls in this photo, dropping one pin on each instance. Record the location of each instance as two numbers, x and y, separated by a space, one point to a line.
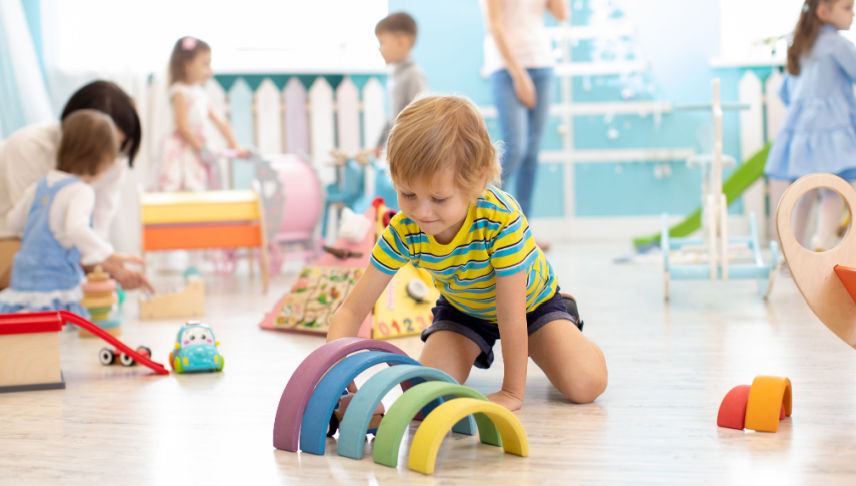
54 216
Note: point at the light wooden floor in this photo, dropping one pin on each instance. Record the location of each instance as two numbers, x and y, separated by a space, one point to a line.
670 365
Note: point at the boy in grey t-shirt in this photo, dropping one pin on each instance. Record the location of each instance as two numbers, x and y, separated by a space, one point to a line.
396 34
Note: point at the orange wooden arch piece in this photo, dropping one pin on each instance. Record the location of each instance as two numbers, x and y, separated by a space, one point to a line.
766 398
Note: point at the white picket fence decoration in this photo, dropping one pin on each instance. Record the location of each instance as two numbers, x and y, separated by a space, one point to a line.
751 140
374 115
775 107
296 128
348 119
308 123
268 119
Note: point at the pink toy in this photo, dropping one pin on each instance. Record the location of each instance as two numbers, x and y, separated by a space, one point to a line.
291 196
302 206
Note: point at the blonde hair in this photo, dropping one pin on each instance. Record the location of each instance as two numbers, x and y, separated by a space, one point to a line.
433 132
89 143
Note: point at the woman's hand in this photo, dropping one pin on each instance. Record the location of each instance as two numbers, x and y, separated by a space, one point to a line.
127 278
524 88
507 400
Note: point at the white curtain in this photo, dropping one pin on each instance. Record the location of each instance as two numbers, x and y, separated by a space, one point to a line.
23 96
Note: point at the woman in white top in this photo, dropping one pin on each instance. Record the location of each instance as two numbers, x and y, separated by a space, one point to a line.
518 56
31 152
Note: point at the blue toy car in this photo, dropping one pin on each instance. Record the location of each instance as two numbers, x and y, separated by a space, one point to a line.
195 349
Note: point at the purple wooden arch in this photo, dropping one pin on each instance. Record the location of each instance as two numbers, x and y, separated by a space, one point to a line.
292 404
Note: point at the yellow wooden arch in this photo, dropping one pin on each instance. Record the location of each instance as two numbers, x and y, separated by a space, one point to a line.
429 435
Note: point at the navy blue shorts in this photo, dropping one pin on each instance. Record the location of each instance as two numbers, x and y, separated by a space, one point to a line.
485 333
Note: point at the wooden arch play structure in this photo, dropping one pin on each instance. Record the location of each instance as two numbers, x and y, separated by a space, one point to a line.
827 280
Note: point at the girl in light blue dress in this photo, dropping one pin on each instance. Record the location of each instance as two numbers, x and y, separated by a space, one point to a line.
54 216
819 130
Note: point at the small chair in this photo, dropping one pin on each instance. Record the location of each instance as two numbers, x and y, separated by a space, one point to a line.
347 189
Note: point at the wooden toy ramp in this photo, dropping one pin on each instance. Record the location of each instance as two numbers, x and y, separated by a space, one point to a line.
828 292
139 358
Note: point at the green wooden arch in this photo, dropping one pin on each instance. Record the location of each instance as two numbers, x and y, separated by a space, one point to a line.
400 414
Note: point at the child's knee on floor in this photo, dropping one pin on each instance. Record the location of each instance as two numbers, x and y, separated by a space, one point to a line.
582 386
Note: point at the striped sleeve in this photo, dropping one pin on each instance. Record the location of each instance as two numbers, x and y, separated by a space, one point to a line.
513 248
390 252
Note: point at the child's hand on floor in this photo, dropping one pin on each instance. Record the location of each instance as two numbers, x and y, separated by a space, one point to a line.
507 400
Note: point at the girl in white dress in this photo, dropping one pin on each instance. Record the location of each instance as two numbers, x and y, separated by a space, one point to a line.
187 163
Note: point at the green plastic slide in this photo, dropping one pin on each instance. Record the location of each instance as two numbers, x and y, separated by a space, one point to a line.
740 180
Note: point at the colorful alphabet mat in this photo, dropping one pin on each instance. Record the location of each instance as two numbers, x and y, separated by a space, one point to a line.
314 298
321 289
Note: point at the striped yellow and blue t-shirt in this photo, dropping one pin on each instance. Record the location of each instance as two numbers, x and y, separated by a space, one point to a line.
494 240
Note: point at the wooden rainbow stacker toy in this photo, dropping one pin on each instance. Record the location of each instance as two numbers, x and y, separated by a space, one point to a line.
315 386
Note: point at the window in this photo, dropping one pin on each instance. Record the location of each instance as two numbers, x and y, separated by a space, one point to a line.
246 36
745 25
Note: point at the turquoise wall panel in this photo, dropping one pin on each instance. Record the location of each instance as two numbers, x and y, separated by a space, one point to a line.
677 53
449 47
243 173
549 202
632 189
241 113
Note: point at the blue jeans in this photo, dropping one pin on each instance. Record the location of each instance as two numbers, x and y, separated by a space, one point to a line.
521 129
